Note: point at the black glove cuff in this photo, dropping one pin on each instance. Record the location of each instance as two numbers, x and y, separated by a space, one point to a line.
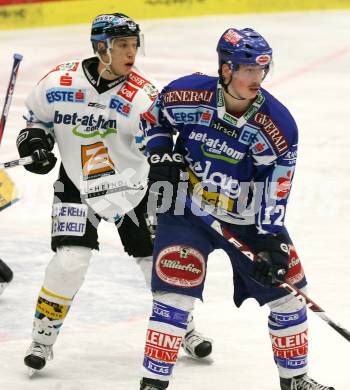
30 139
164 156
6 274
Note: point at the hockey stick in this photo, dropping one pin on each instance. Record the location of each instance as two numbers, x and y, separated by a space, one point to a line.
8 192
16 163
246 251
17 58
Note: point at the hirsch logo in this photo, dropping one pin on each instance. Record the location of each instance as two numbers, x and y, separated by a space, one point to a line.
224 129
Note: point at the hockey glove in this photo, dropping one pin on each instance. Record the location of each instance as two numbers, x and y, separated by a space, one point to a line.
37 143
271 266
6 274
165 166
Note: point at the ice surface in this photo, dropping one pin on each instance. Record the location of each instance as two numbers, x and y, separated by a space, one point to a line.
101 343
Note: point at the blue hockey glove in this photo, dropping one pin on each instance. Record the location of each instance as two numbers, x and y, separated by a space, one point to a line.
36 143
271 267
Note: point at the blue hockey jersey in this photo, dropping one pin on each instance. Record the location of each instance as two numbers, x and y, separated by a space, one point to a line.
242 165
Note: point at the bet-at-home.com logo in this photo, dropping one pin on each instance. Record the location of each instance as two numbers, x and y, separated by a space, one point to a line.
87 126
215 148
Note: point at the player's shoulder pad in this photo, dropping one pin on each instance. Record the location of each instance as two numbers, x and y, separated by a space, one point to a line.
62 71
138 81
191 89
277 123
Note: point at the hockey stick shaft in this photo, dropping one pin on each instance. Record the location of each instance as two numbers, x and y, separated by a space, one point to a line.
17 58
246 251
17 163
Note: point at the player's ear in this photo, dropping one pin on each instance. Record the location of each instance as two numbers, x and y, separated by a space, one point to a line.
226 71
101 48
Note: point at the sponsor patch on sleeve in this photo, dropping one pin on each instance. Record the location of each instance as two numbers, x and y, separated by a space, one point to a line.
295 269
273 132
139 81
281 182
65 67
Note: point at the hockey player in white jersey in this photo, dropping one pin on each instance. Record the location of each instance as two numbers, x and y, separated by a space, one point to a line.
91 109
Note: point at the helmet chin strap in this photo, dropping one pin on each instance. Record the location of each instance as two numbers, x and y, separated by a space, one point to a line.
225 85
108 65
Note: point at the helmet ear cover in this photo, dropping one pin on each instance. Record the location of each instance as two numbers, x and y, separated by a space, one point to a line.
100 47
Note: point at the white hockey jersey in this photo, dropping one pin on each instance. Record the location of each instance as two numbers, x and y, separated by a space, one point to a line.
95 129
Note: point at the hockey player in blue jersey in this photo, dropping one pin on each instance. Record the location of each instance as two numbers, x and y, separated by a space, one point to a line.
238 145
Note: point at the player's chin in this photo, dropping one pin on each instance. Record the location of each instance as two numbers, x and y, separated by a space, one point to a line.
252 92
125 70
128 68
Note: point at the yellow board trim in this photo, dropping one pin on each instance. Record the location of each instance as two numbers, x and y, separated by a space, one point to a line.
83 11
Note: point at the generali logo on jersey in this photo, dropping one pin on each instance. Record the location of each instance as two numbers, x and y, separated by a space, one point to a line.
187 96
128 92
273 132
